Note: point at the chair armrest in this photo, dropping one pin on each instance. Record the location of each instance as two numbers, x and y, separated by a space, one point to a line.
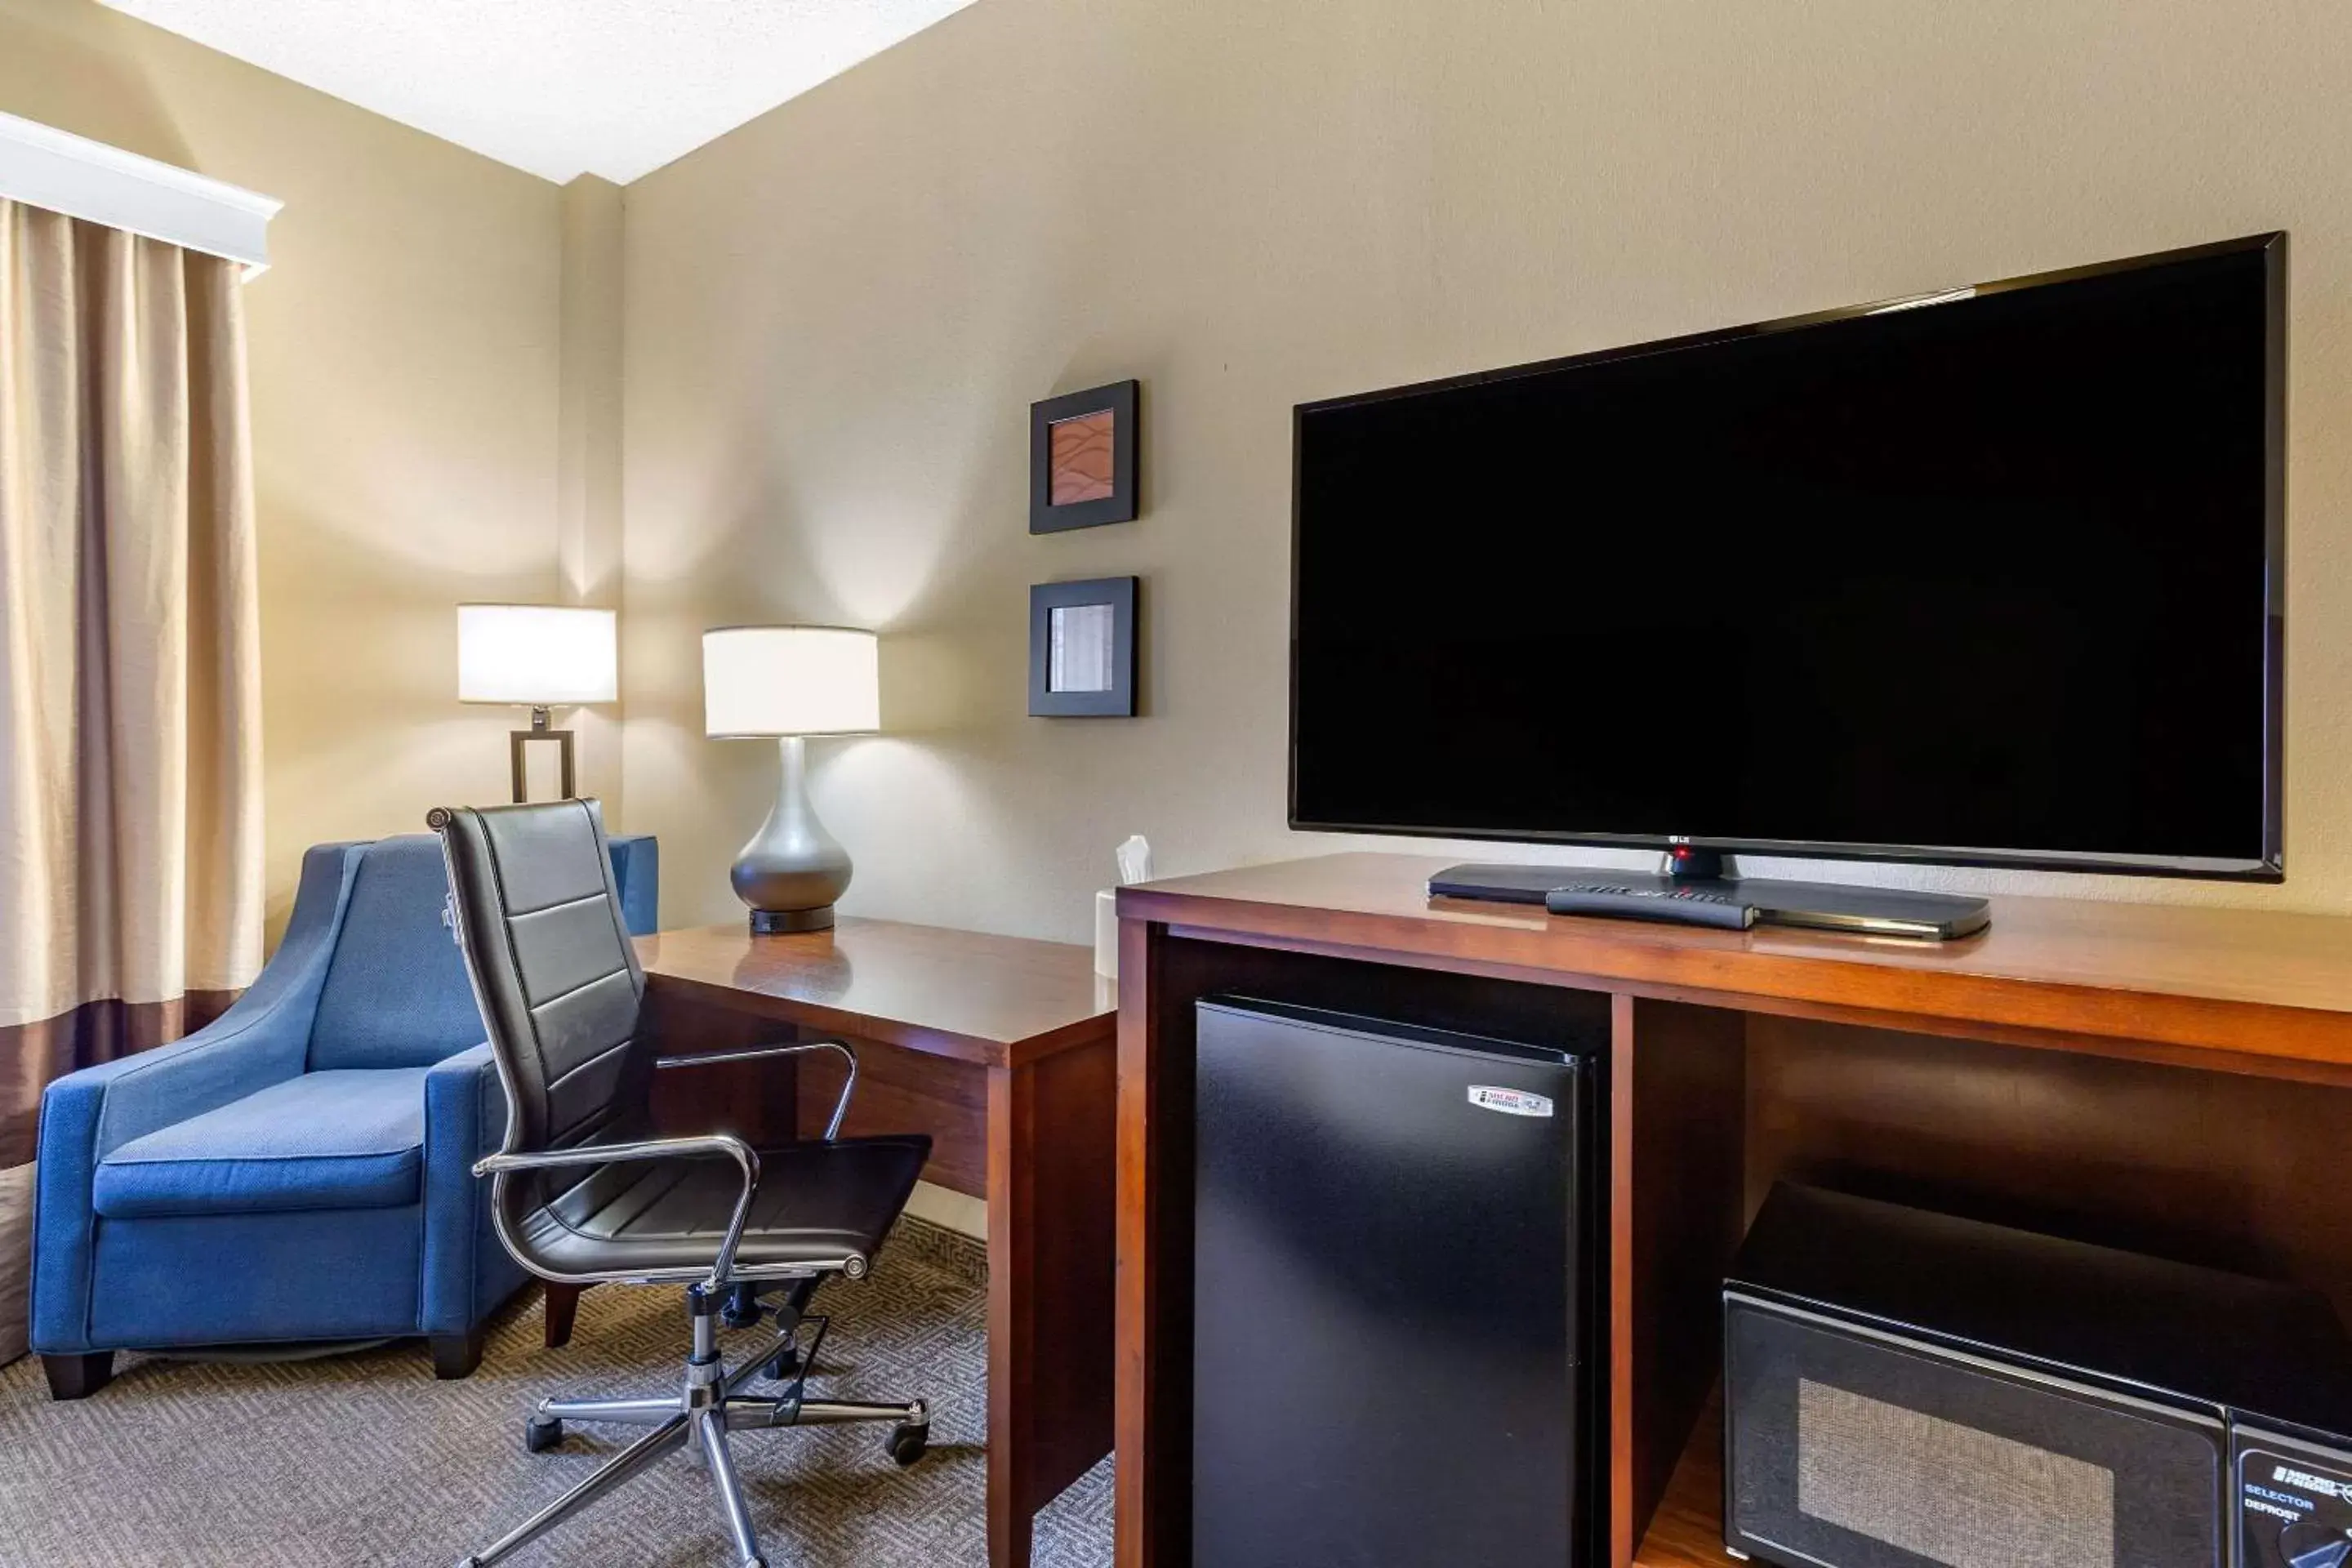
848 1084
86 1115
465 1272
637 876
256 1043
264 1038
464 1108
708 1145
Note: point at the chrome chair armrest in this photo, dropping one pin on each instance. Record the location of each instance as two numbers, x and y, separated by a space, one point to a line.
848 1084
705 1145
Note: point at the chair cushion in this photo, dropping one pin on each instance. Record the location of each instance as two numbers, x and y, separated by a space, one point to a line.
816 1203
344 1140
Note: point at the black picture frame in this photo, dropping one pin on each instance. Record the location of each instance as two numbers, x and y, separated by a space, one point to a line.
1119 701
1121 400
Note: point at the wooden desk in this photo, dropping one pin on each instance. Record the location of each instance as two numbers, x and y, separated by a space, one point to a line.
1002 1050
2163 1077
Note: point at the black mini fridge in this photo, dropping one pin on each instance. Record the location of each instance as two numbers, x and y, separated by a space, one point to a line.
1398 1296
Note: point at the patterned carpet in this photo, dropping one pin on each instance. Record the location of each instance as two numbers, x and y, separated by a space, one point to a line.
364 1459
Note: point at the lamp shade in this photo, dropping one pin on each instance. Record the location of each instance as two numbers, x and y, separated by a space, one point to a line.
536 656
790 681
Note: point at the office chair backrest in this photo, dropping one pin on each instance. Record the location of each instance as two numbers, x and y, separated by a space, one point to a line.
540 919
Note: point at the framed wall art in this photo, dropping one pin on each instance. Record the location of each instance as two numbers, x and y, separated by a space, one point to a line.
1082 648
1083 459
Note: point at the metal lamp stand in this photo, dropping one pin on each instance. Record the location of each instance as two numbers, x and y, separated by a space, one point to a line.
541 731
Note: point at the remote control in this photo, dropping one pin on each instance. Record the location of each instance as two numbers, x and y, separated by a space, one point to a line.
1683 905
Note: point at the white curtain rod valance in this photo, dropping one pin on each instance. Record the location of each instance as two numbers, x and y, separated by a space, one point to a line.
45 167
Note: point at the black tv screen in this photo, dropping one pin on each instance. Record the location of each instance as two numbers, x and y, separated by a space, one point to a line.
1992 576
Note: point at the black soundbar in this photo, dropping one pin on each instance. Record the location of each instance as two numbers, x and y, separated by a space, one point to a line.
1822 906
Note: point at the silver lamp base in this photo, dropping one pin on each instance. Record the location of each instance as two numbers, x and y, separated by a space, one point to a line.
793 869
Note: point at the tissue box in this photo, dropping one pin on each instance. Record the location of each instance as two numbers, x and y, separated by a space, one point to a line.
1106 932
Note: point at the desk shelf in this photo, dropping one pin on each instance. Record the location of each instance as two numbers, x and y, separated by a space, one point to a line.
1686 1531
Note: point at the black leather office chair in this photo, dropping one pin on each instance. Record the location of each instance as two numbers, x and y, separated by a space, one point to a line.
584 1194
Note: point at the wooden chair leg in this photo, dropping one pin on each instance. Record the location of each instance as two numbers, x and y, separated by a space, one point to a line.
456 1355
563 1310
79 1377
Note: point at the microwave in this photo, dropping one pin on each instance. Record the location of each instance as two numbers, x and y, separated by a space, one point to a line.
1904 1389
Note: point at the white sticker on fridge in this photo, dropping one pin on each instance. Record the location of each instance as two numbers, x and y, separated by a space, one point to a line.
1510 1102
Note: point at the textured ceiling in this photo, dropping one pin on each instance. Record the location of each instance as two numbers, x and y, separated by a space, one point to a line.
616 88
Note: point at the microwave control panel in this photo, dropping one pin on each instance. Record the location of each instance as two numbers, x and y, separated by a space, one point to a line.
2293 1503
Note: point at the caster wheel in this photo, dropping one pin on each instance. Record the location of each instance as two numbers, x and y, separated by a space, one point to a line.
908 1444
541 1433
785 1368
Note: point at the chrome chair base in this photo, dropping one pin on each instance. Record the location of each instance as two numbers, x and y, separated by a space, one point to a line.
696 1422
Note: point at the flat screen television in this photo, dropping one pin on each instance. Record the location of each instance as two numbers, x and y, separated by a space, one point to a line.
1992 576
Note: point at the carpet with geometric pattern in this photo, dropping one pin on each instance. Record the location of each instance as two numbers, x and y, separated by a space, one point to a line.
364 1459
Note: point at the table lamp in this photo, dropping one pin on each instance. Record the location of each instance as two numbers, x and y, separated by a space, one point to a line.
537 656
788 683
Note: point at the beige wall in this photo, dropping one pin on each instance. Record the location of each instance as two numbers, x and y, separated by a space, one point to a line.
588 452
838 316
829 324
405 368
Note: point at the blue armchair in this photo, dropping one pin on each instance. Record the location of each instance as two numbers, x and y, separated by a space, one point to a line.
300 1169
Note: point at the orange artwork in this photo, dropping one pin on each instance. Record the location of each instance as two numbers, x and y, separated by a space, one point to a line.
1081 458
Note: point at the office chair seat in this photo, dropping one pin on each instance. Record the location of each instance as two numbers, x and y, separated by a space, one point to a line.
816 1204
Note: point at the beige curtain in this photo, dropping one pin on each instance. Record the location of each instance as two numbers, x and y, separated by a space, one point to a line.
130 687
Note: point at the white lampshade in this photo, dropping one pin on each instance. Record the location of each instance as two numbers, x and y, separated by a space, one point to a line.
536 656
790 681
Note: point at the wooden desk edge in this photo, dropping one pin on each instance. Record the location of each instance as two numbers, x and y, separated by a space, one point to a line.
975 1049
